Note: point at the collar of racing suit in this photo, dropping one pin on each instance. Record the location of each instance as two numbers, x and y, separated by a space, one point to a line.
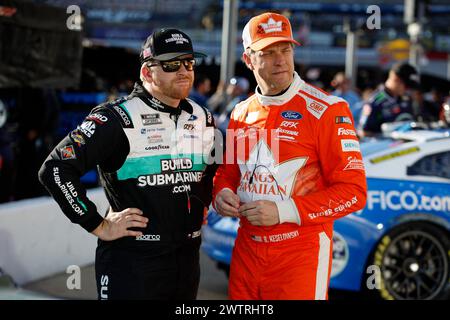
280 99
388 92
151 101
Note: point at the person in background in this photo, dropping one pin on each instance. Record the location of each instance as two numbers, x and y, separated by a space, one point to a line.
236 92
392 102
423 109
201 89
342 89
444 115
358 106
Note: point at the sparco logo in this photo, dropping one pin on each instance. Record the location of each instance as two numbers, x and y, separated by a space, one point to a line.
124 116
149 237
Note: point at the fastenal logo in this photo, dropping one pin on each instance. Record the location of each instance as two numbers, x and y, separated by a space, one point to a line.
346 132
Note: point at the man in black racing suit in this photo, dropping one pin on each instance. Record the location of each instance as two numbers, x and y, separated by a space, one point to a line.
153 151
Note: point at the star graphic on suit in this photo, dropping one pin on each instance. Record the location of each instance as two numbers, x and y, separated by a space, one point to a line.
261 162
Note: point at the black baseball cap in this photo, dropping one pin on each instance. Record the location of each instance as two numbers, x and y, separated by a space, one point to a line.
408 74
167 44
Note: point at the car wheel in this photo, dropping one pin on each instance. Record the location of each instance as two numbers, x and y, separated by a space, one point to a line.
413 263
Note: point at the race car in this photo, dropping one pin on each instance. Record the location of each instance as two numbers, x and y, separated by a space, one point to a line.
398 246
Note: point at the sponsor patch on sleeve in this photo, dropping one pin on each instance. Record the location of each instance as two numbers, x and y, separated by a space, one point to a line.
343 119
349 145
346 132
77 137
67 153
354 164
87 128
124 116
97 118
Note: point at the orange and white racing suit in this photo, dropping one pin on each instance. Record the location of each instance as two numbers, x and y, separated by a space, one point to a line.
300 150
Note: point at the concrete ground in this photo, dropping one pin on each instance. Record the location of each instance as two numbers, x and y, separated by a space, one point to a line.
213 285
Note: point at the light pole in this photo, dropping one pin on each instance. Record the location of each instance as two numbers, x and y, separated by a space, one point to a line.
228 50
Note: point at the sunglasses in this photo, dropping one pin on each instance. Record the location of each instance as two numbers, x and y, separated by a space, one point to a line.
175 65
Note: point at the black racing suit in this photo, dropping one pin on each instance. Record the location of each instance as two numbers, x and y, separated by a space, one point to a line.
152 157
383 107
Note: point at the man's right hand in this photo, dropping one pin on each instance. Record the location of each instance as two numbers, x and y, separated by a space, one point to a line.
227 203
116 224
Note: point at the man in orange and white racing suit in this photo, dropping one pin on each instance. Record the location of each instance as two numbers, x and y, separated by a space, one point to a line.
292 166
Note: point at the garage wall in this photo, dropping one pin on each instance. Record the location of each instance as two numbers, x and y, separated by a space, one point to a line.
37 240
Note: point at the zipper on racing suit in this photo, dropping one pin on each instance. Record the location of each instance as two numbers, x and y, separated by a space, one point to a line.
174 118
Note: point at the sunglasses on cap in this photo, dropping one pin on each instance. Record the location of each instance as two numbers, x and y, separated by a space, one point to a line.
174 65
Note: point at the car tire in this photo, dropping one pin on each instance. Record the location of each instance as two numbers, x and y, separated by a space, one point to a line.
410 262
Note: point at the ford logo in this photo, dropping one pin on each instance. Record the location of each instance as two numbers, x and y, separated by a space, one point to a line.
192 118
291 115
